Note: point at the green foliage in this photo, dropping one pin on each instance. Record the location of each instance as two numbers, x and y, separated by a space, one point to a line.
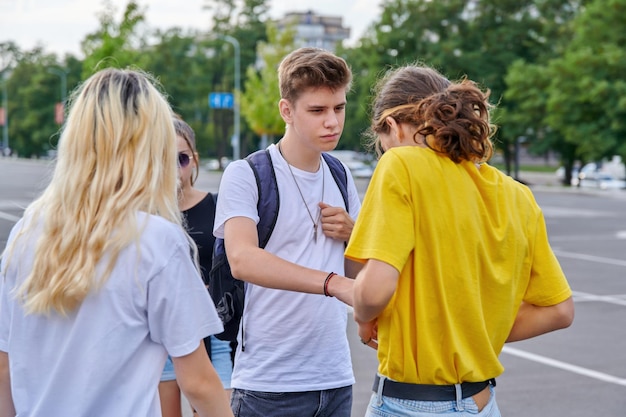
182 63
33 93
259 102
586 102
114 45
245 21
554 67
477 39
576 98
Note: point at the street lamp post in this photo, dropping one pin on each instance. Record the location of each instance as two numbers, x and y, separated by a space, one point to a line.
5 105
235 140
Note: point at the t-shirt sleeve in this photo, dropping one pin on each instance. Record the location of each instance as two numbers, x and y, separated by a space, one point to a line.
6 289
238 196
384 229
180 311
548 285
5 315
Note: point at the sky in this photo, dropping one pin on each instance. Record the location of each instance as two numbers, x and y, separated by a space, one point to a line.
60 25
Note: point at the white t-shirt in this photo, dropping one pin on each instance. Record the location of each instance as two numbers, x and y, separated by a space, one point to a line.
294 342
106 357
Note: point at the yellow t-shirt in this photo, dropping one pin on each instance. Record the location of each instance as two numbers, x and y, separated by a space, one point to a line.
470 245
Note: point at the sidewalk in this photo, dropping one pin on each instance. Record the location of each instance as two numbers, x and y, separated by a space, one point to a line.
548 182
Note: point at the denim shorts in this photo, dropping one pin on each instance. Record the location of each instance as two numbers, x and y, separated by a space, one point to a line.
168 371
394 407
220 358
332 402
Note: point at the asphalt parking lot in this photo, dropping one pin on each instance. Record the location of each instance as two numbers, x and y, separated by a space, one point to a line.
580 371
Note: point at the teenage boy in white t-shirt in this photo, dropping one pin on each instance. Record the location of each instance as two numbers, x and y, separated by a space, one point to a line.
293 356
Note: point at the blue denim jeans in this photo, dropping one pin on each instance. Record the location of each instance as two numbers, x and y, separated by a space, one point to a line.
328 403
220 357
382 406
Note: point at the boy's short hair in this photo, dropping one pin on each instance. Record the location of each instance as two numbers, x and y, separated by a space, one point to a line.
310 67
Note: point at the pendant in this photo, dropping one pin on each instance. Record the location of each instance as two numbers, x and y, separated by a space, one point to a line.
315 233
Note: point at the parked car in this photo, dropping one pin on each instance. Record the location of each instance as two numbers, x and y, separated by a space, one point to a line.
602 181
360 164
578 175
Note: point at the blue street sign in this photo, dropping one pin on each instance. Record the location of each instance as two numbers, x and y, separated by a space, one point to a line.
221 100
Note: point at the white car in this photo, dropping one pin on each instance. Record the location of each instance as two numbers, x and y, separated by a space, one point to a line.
602 181
359 163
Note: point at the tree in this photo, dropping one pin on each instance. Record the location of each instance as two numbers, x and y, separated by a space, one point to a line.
525 116
478 39
114 45
33 93
182 63
259 102
587 103
243 20
575 96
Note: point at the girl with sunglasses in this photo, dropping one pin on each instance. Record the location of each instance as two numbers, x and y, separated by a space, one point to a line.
198 208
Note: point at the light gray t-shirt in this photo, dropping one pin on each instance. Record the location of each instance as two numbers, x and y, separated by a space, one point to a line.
106 357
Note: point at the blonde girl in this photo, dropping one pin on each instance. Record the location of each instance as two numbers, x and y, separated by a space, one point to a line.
97 282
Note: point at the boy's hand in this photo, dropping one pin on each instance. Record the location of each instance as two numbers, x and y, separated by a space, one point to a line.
336 222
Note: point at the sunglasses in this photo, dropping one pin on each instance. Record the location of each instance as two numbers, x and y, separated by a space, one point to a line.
183 159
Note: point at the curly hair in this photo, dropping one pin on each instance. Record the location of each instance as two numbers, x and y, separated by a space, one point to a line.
452 116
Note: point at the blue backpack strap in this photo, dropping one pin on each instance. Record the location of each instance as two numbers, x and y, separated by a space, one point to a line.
340 175
269 201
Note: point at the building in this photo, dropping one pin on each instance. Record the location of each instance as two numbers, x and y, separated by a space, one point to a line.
314 30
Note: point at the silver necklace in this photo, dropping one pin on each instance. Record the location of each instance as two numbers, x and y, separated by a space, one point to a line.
315 223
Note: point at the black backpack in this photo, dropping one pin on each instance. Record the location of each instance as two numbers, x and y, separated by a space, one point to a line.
228 292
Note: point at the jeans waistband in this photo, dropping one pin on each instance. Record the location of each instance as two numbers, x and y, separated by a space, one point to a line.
424 392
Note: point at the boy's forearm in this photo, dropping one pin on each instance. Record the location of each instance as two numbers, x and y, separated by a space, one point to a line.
263 268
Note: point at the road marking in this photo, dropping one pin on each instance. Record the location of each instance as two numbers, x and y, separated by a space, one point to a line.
565 366
586 238
9 217
568 212
590 258
14 204
611 299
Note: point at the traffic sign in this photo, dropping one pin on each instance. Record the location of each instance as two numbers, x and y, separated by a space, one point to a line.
221 100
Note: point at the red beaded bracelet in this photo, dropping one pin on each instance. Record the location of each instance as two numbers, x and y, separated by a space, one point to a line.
326 293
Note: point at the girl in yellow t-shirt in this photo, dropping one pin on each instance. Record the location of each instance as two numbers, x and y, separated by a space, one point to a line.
456 254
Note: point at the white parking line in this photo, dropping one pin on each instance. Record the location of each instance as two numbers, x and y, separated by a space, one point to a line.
590 258
12 204
9 217
610 299
565 366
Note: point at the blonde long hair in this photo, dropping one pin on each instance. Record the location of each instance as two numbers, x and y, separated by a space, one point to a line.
116 157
